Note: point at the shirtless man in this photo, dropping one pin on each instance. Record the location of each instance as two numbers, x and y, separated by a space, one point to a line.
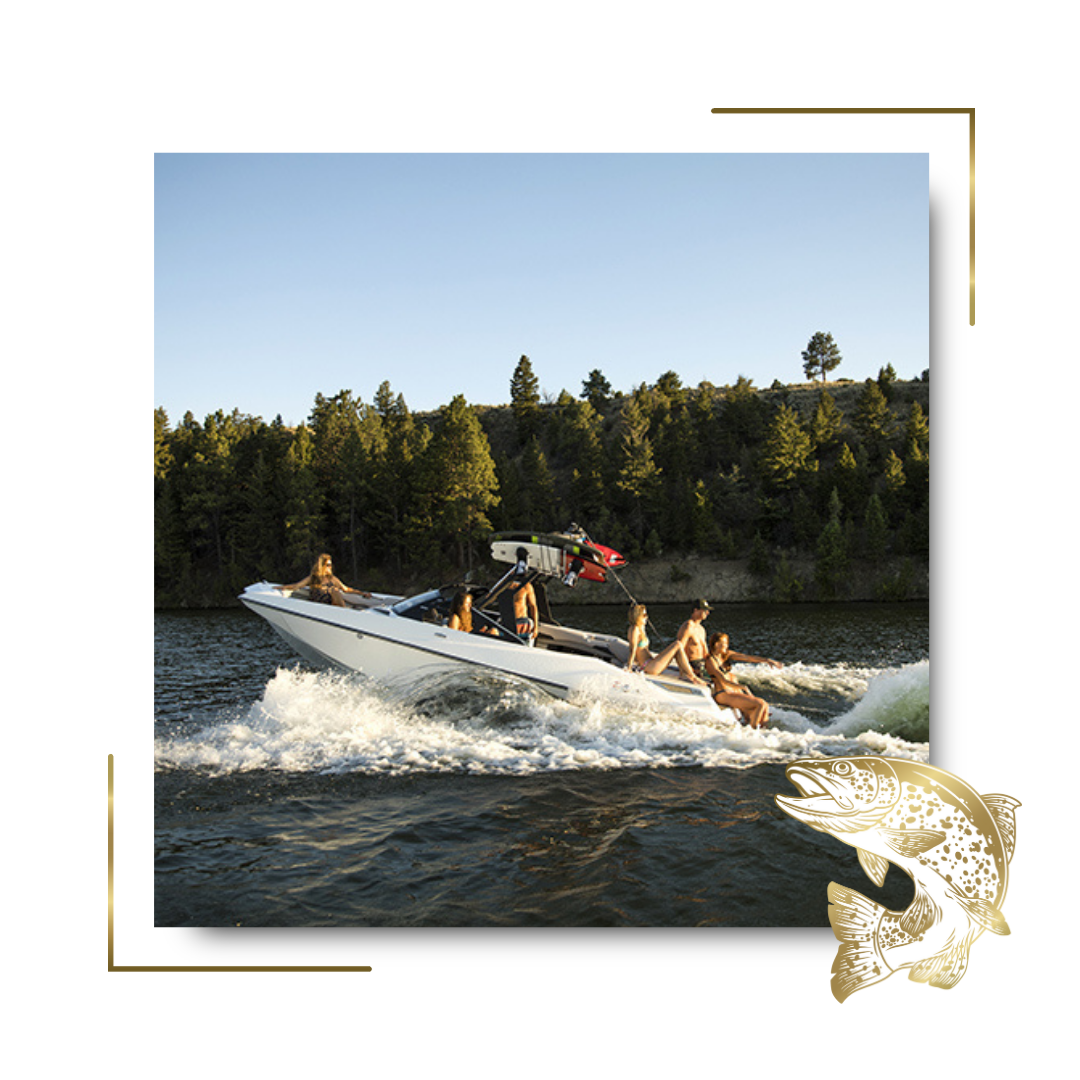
526 613
692 636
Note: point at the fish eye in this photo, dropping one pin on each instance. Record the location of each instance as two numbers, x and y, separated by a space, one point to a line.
842 768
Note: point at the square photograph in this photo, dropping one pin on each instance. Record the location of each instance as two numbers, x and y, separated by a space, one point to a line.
519 519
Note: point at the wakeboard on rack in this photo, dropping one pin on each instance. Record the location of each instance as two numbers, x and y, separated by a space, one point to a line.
557 555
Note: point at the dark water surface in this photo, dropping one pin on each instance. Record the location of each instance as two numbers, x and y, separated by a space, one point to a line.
286 796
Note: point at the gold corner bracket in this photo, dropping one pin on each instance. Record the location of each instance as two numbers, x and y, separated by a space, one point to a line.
885 112
174 968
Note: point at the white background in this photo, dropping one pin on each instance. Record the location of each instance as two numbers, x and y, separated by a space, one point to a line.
91 92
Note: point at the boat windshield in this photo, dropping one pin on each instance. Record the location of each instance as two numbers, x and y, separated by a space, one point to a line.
415 605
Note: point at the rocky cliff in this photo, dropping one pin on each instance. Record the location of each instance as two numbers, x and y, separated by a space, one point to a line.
667 581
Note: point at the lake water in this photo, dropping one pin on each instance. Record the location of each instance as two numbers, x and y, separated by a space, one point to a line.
292 796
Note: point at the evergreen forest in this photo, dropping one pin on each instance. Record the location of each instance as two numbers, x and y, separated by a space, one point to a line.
835 472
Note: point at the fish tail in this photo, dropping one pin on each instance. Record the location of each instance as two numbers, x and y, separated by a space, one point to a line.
855 921
945 969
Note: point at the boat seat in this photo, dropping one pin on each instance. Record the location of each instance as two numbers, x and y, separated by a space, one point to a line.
351 599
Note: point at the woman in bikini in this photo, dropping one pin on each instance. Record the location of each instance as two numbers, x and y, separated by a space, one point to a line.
641 659
322 586
727 690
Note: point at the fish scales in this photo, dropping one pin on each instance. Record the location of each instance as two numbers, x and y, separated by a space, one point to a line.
953 843
971 857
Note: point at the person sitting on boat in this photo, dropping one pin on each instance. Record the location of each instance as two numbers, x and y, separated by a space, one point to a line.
323 587
727 690
691 636
641 659
461 614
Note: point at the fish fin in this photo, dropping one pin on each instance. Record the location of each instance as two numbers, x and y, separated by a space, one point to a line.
876 866
920 915
911 842
1003 810
982 912
945 969
855 921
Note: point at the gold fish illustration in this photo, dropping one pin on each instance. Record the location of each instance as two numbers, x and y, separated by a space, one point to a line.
953 843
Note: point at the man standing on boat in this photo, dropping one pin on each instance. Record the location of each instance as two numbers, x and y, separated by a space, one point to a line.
526 612
692 636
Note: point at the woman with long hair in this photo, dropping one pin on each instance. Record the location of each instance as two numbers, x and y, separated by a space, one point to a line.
727 690
461 612
641 659
323 587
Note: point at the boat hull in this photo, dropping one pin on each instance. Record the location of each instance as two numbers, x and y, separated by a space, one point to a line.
384 644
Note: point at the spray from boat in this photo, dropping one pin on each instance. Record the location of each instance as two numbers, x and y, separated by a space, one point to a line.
457 722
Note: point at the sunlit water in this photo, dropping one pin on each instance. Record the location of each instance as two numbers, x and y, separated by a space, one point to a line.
294 796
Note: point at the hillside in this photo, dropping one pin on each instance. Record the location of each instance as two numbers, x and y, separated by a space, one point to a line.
799 492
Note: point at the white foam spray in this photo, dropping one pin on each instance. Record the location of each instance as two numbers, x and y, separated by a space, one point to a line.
328 723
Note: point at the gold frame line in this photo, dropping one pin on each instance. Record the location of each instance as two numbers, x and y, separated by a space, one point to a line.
147 967
971 166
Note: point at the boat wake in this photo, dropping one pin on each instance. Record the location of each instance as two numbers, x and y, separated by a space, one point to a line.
324 722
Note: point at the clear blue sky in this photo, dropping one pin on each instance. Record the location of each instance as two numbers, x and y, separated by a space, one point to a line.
281 276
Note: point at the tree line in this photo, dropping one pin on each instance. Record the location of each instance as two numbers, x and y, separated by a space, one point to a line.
832 473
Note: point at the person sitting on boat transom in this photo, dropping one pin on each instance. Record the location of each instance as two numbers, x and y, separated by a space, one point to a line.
727 690
691 636
323 586
641 659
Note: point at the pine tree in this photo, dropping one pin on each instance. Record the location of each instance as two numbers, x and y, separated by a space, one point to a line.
677 450
787 451
848 477
461 480
703 409
587 489
525 400
886 378
704 531
394 478
827 423
917 431
302 504
876 529
832 557
820 356
596 390
333 423
805 523
670 386
917 461
760 562
742 422
894 481
162 453
873 420
787 587
538 488
210 497
638 474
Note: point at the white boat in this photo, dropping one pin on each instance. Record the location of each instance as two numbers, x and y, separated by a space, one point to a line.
385 636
